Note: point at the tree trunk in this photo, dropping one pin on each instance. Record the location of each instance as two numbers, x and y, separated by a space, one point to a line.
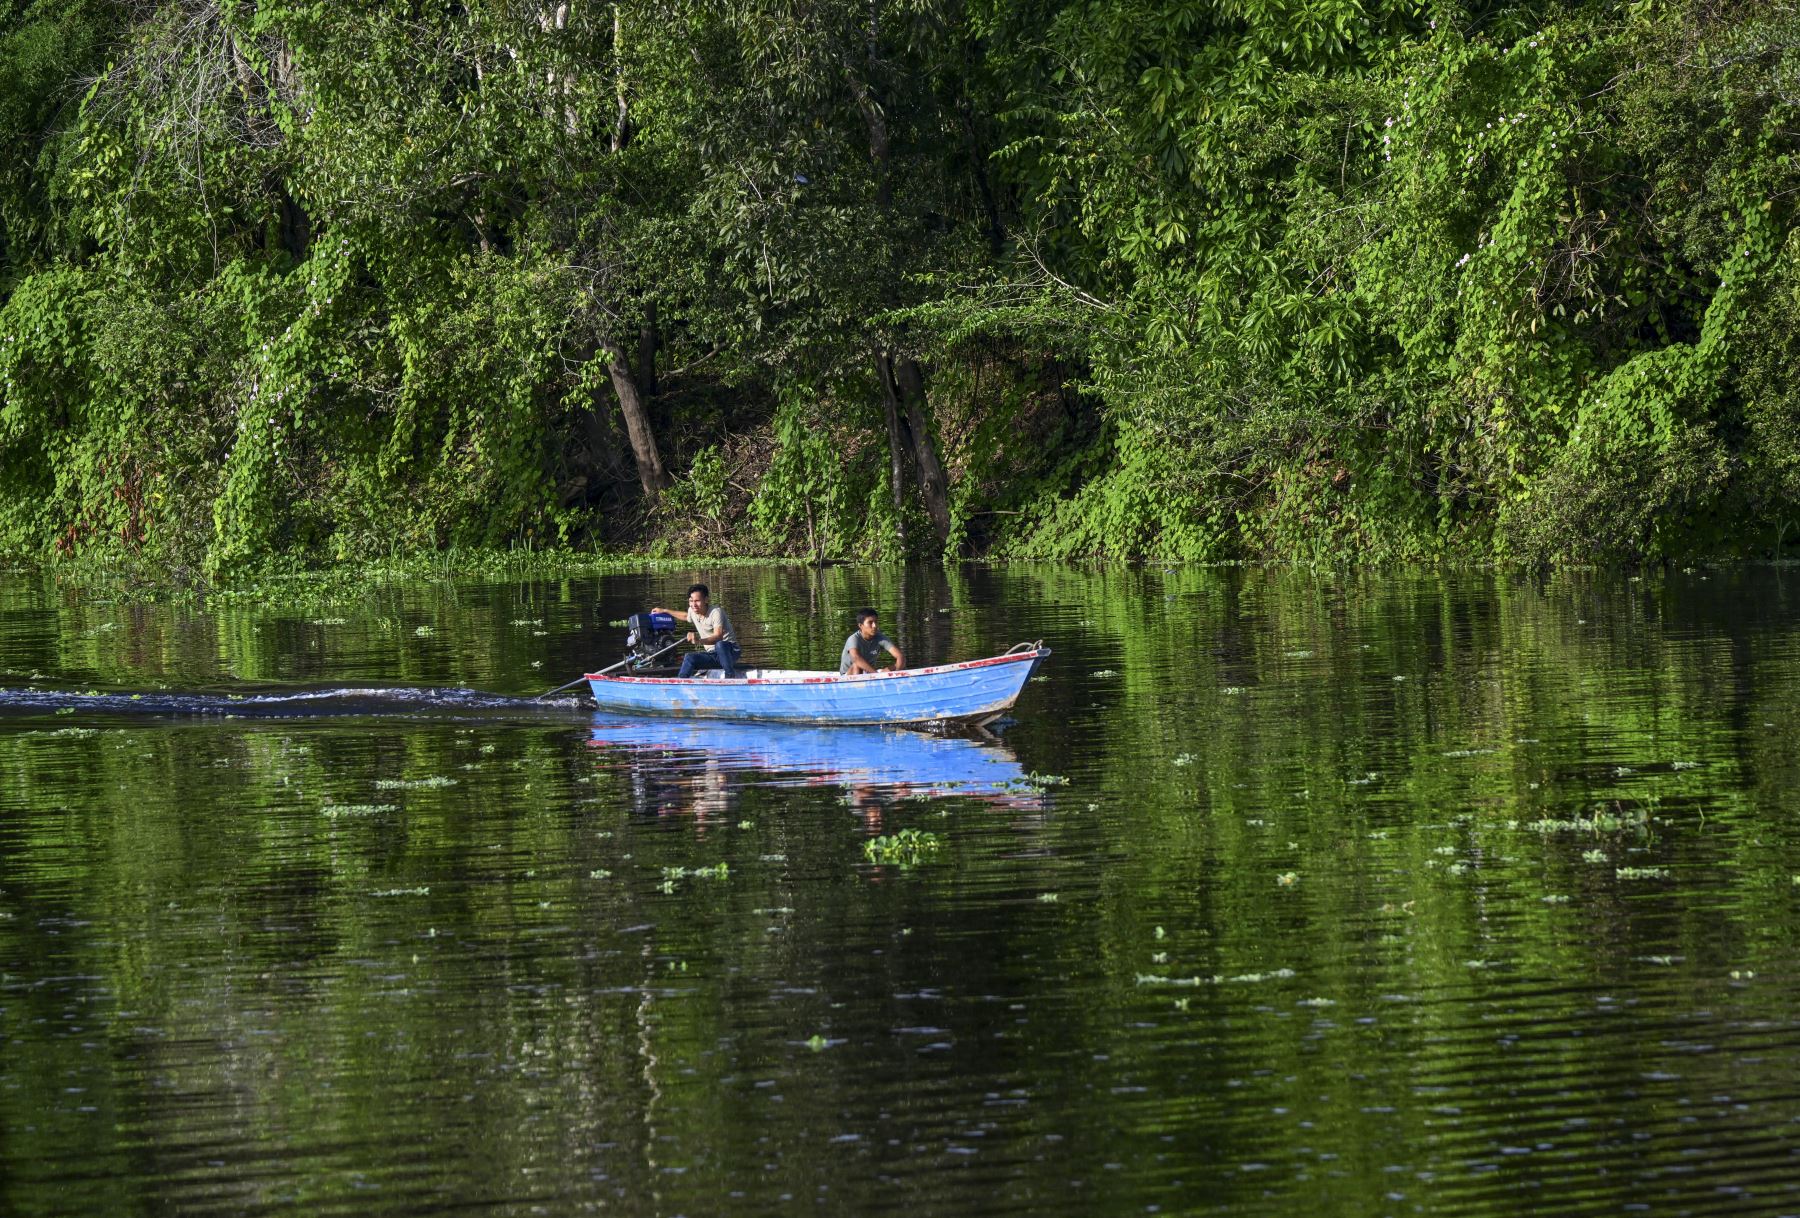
622 128
878 136
884 369
647 345
651 474
932 483
990 205
296 225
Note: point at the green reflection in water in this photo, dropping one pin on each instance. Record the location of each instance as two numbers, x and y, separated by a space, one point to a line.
1463 892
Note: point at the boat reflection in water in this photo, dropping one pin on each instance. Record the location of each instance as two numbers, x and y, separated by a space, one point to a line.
697 765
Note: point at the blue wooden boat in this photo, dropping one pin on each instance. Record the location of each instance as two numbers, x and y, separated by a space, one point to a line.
974 691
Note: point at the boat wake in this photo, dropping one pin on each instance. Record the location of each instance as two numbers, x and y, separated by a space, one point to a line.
286 704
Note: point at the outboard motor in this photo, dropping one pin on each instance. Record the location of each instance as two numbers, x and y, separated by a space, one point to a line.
646 635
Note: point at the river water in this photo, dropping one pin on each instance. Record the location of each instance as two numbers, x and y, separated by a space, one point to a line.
1367 894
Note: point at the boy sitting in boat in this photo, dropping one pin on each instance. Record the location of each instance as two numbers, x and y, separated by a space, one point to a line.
712 630
863 648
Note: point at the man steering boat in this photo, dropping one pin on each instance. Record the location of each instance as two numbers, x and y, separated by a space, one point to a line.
712 630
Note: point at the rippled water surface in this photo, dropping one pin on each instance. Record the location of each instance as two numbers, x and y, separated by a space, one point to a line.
1460 894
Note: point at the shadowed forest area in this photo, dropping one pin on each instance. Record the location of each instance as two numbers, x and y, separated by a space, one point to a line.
1217 279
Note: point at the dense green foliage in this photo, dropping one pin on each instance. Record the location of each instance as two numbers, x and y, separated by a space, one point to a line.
1210 279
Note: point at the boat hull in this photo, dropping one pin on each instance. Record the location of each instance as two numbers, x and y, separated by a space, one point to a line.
976 691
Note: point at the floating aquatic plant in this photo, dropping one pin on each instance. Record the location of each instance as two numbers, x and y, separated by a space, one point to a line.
1641 873
1107 672
413 784
402 892
905 848
718 871
1048 898
1599 822
424 632
340 811
1288 879
1279 974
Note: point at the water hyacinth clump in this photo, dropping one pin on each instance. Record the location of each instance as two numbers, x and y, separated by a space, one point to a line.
1601 821
342 811
414 784
906 848
1278 974
718 871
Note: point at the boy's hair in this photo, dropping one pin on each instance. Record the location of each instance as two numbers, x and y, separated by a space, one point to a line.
702 589
863 615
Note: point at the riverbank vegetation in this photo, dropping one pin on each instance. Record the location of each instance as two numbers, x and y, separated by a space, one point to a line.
1233 279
